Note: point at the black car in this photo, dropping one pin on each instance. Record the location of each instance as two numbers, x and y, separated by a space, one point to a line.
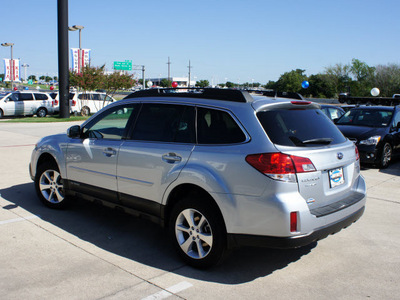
375 130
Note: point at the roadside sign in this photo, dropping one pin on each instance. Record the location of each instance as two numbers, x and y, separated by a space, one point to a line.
30 81
123 65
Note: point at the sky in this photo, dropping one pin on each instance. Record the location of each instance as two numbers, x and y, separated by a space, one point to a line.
237 40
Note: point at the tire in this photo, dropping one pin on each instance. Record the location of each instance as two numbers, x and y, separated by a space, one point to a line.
198 232
85 111
41 112
49 185
386 156
1 114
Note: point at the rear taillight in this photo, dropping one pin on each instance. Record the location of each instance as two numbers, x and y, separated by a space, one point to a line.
73 102
280 166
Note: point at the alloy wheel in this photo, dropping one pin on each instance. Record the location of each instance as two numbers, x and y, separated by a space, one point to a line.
193 233
51 187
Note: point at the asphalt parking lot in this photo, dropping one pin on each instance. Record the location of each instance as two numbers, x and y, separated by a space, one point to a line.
89 252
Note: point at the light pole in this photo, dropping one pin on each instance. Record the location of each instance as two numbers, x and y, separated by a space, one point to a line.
74 28
11 64
25 66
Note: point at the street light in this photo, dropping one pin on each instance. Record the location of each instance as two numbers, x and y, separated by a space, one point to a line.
75 28
12 62
25 66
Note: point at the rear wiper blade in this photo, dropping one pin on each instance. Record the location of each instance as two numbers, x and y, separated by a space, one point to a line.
318 141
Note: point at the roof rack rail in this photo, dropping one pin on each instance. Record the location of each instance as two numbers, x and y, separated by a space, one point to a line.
204 93
277 94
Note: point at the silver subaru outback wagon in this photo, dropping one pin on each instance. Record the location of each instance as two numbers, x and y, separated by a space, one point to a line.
218 168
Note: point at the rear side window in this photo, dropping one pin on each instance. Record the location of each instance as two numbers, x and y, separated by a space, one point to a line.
165 123
40 96
300 127
217 127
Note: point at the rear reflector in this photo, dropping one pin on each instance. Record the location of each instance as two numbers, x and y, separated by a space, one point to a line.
293 221
357 154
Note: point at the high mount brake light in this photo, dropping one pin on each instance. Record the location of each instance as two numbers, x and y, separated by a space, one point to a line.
280 166
300 102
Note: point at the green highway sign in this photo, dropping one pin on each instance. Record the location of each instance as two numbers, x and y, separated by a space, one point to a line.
123 65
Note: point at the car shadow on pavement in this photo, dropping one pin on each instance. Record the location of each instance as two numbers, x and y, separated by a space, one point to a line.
394 167
146 242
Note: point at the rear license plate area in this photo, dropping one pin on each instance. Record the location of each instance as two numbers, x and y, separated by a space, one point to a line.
336 177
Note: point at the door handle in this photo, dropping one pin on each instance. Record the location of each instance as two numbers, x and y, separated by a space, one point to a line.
171 158
109 152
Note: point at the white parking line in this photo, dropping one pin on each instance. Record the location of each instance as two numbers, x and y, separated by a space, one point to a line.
18 220
169 291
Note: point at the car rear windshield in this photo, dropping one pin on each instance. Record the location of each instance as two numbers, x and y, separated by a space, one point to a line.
366 117
300 127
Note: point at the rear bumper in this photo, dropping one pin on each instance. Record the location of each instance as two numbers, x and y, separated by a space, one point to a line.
235 240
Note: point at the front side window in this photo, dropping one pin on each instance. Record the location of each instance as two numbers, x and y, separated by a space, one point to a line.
366 117
84 96
165 123
217 127
299 127
112 124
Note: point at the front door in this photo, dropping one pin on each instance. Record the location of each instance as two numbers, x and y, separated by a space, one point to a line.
92 159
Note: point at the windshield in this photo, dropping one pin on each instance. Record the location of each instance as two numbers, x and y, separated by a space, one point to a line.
366 117
300 127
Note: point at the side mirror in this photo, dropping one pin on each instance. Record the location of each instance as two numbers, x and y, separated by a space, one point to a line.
74 132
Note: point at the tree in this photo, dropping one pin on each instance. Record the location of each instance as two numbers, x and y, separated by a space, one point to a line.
291 81
32 77
165 82
387 79
363 76
90 79
229 84
321 86
202 83
339 77
117 81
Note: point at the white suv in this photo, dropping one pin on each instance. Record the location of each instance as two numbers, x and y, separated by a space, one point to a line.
85 103
25 103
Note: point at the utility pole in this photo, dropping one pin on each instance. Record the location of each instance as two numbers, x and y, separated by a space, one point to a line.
189 73
63 74
169 71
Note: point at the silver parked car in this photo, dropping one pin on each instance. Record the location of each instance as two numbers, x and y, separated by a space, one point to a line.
218 168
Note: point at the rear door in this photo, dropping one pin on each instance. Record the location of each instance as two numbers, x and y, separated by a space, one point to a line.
161 144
